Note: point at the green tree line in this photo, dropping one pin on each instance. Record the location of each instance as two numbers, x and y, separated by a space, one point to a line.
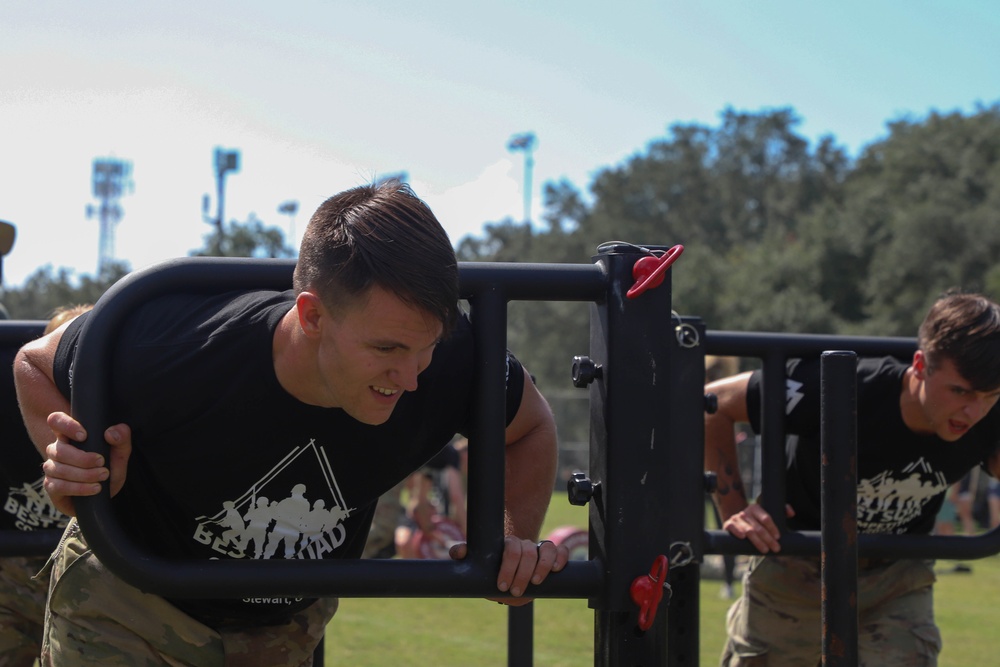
780 234
48 288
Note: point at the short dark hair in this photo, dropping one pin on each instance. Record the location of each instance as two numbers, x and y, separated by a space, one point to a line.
964 328
379 235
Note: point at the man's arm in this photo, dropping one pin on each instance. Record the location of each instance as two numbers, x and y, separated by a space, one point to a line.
37 393
743 520
531 459
720 442
532 455
69 470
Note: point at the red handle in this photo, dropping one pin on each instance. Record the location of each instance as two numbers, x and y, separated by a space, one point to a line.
648 271
647 591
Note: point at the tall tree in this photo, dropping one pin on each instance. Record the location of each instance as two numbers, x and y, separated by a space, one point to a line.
47 289
249 239
716 186
926 200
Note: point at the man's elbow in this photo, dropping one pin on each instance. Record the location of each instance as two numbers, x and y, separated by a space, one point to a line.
25 373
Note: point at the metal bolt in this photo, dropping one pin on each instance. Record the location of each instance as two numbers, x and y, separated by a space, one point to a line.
580 489
585 371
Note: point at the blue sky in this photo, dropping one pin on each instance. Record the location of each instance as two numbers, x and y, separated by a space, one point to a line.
319 96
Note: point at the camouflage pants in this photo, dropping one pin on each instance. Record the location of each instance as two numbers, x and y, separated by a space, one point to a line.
95 618
777 621
22 610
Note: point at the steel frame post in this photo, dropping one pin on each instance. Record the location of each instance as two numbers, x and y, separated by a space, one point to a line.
839 507
631 431
685 480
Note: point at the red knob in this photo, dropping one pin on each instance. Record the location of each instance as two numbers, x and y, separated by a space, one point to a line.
648 271
647 591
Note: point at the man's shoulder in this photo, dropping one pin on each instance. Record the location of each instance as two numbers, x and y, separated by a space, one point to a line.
879 368
177 317
876 376
869 366
196 303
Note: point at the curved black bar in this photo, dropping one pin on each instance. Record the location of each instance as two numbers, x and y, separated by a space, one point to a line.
473 577
394 578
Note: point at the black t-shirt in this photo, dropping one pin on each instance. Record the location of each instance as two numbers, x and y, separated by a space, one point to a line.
26 505
446 458
902 475
227 464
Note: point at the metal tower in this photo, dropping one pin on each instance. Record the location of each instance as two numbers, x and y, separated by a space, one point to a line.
290 208
112 178
225 162
525 142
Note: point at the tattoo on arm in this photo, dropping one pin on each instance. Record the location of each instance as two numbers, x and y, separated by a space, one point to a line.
733 474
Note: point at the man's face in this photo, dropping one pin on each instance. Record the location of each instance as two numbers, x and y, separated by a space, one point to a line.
373 352
949 404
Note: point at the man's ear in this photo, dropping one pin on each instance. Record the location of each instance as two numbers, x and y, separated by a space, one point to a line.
919 365
310 311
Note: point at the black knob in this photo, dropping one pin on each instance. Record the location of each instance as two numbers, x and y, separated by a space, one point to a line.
711 403
580 489
585 371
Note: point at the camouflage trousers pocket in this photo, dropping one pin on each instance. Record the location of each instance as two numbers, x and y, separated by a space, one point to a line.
293 643
95 618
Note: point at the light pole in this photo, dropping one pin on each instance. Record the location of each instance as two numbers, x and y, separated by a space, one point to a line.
290 208
112 178
525 142
225 161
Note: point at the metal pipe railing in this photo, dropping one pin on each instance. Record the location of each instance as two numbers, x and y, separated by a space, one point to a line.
772 347
473 577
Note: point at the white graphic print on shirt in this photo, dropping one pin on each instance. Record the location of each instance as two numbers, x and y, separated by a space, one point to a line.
792 395
32 507
887 503
259 525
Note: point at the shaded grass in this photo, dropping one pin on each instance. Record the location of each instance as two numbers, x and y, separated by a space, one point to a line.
375 632
964 606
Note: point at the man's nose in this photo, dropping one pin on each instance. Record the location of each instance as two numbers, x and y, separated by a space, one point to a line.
405 374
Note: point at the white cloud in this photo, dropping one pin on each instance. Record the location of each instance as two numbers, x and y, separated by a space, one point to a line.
463 209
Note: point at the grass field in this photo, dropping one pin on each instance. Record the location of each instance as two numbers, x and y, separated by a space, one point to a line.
375 632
